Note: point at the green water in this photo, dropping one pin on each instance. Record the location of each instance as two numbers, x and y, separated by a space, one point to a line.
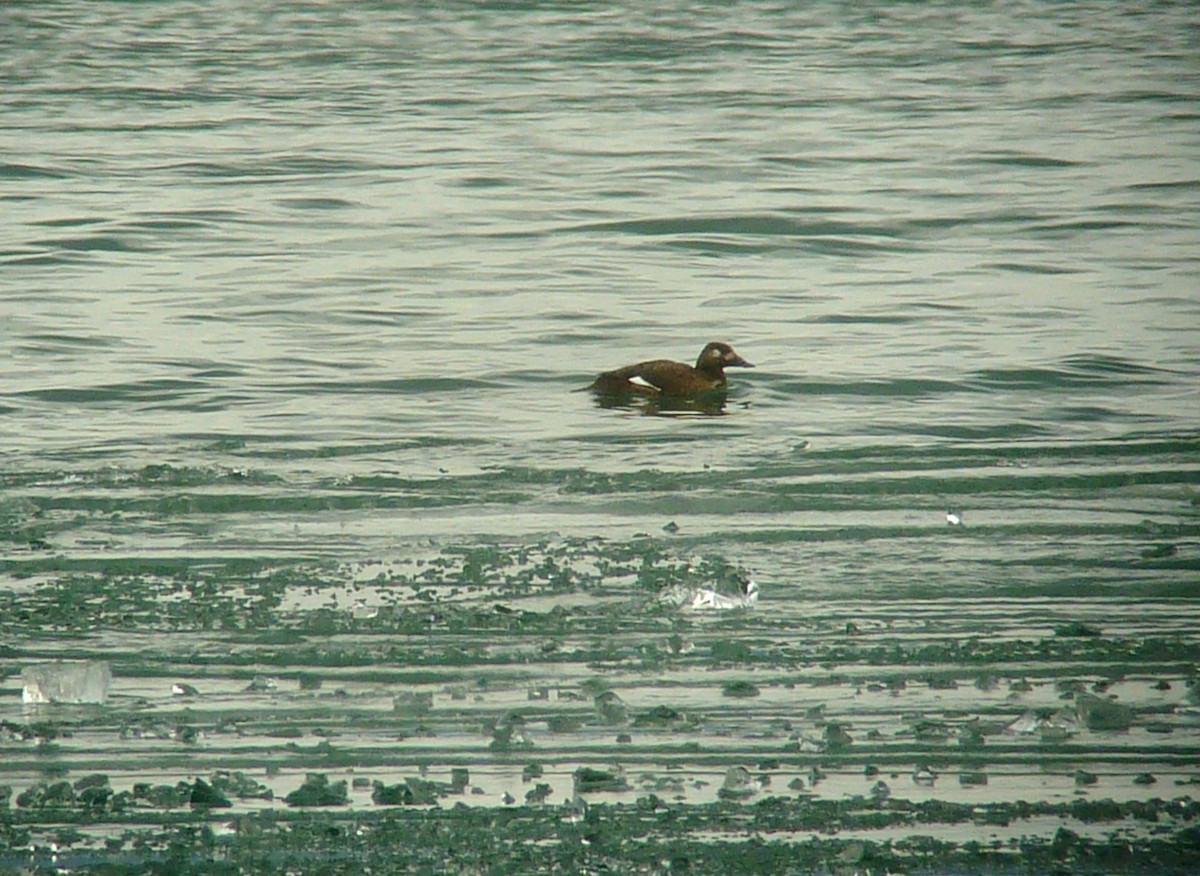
293 302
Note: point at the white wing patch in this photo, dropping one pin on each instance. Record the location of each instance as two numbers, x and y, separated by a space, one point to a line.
638 380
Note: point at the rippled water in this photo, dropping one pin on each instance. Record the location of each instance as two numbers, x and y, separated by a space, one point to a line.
293 302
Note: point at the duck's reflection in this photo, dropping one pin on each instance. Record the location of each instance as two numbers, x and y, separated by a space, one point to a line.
710 404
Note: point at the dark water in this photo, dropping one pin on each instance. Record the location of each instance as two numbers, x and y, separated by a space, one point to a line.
293 298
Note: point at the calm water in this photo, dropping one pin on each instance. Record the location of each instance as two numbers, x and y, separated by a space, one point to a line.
293 298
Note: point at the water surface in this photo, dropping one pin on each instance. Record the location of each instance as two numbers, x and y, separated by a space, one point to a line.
293 298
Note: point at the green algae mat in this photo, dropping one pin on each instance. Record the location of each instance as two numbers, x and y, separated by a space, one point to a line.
558 707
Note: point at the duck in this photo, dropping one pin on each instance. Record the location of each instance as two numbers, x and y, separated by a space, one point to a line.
658 378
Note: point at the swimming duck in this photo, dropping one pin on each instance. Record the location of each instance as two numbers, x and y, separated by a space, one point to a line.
662 377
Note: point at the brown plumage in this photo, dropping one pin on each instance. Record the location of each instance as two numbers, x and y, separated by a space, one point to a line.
664 378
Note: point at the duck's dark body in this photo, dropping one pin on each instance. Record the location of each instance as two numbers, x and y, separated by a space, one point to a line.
664 378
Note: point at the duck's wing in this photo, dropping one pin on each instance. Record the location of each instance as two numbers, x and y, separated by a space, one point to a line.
645 378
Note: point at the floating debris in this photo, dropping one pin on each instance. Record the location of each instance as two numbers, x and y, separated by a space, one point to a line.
240 785
1159 552
563 724
1069 688
971 736
66 682
807 744
205 796
10 732
411 792
309 681
743 594
985 681
413 704
391 795
318 791
659 716
740 689
508 736
1098 714
836 737
1076 629
362 611
44 795
926 730
1026 724
611 708
589 780
1065 721
262 684
738 784
854 853
1052 728
575 810
925 775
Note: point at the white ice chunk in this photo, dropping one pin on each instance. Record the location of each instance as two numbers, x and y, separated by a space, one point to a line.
64 682
711 599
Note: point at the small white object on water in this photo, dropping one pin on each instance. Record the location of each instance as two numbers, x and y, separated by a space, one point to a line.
1027 723
362 611
721 601
575 810
66 682
711 599
1061 725
737 778
925 775
954 518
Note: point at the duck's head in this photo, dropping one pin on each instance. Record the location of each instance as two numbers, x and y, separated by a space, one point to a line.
718 356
